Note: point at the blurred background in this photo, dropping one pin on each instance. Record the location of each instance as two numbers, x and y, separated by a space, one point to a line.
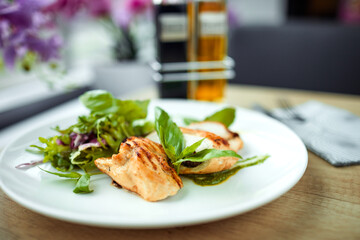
54 50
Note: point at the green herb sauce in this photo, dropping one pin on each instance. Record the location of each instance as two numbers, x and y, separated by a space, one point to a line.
216 178
212 178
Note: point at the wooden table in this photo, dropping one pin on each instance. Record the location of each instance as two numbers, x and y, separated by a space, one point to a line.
325 204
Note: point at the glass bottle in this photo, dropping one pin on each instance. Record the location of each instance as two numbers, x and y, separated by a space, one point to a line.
171 41
208 28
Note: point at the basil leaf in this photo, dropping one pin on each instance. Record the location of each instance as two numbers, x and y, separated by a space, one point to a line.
225 116
170 152
64 175
208 154
169 133
99 101
82 185
190 149
188 121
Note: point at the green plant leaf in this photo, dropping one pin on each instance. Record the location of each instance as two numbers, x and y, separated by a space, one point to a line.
190 149
132 110
188 121
74 175
110 120
99 101
225 116
82 185
103 102
208 154
169 133
143 127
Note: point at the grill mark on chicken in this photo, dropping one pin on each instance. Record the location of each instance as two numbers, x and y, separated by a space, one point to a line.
140 157
234 134
143 154
133 142
174 175
220 141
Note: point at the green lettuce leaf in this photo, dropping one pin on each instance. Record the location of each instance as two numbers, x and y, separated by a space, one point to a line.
225 116
99 101
142 127
75 175
110 121
82 180
82 185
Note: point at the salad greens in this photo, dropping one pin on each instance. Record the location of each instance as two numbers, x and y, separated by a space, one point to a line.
173 142
110 121
225 116
96 135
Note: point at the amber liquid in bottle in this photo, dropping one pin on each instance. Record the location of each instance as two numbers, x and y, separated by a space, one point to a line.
208 24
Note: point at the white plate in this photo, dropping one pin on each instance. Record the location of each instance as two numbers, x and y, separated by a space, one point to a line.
108 206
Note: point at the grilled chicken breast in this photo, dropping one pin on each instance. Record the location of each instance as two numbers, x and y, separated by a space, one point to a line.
211 141
141 166
221 130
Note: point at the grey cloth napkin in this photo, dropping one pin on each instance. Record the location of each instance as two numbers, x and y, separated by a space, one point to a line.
329 132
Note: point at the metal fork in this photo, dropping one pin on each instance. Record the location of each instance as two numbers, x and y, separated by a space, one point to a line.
290 111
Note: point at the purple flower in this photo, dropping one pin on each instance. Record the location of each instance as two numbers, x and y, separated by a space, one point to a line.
21 12
46 48
137 6
98 8
69 8
20 24
66 7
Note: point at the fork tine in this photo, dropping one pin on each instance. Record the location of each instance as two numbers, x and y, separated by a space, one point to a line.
285 105
291 112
